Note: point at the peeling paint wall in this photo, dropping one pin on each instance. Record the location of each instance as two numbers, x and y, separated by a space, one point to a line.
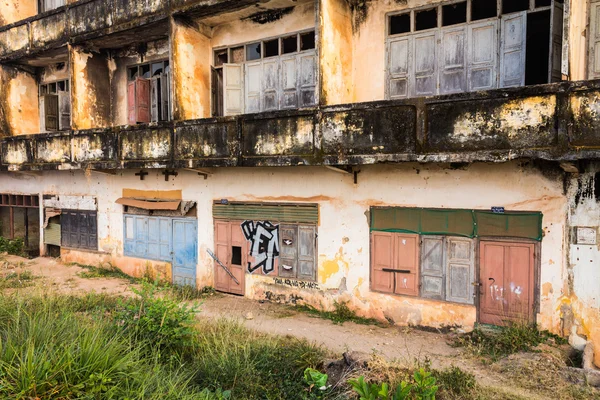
16 10
191 70
343 231
90 89
336 52
19 109
583 272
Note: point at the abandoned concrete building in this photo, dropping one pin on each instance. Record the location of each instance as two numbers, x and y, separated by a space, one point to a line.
434 163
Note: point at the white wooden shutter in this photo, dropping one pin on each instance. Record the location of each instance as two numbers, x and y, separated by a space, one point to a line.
64 110
425 75
165 96
253 83
288 251
460 273
233 87
270 82
42 108
307 62
594 38
399 55
289 82
512 49
154 99
307 243
556 42
482 55
433 268
453 60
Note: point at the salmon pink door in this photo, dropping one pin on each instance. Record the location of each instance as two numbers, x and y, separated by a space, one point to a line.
507 282
231 250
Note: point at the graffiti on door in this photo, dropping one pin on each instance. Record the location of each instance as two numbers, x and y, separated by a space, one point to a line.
264 244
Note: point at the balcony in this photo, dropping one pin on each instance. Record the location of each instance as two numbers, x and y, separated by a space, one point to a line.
557 122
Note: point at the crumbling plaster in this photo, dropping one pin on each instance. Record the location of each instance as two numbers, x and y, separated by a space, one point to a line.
16 10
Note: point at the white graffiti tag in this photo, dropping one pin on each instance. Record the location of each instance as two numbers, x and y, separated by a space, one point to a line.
264 244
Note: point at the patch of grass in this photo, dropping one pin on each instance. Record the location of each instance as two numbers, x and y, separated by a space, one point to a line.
187 293
455 383
111 271
496 343
17 280
341 313
12 246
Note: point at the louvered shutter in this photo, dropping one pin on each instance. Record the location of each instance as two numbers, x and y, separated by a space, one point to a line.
233 83
154 99
512 49
51 111
253 83
307 63
406 260
307 243
460 273
453 68
288 251
425 75
382 257
64 109
270 82
289 82
399 53
482 55
433 268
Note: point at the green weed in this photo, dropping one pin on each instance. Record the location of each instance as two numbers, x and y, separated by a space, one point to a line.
12 246
341 313
17 280
91 272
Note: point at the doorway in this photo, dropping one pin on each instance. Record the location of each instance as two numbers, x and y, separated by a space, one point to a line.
231 251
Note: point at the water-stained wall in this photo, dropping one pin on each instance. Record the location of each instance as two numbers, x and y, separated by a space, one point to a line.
19 110
16 10
343 228
191 69
90 89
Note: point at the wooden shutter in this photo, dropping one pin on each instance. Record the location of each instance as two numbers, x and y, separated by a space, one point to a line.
160 234
556 42
433 268
270 82
399 55
512 49
65 229
42 108
131 114
165 96
154 99
453 68
307 243
382 258
51 111
288 251
142 98
307 63
233 83
460 273
406 260
222 244
482 55
64 109
128 235
425 64
141 237
594 42
253 87
289 82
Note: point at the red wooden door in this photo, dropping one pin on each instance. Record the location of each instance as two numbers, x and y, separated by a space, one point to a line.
143 100
507 282
230 249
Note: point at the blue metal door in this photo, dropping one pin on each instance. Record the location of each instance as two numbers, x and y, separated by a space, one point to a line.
185 251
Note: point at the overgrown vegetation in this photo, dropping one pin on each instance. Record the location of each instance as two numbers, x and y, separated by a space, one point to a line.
496 343
340 314
12 246
110 271
17 280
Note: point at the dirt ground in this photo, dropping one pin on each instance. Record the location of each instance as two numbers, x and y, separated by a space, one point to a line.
392 343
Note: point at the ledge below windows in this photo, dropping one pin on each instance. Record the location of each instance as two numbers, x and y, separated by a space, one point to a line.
556 122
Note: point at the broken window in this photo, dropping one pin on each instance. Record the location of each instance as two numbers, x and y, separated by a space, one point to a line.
271 75
79 229
20 219
221 57
55 106
426 19
47 5
511 6
149 93
483 9
453 14
399 24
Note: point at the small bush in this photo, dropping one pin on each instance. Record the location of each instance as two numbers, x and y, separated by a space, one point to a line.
422 387
456 383
12 246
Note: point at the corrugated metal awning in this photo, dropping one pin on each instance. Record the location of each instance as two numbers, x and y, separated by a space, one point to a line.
150 205
298 213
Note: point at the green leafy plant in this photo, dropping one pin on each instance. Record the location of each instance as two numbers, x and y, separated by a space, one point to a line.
423 388
316 381
425 385
12 246
219 394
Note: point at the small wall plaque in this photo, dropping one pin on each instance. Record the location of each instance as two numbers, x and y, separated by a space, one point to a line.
498 210
587 235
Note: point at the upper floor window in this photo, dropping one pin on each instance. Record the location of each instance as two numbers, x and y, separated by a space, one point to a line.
272 74
47 5
149 92
463 46
55 106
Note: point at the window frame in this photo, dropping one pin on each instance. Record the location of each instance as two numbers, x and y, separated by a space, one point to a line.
165 61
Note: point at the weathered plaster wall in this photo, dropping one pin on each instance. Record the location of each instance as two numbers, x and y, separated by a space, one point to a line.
158 50
55 72
343 232
90 89
191 70
16 10
336 52
19 109
583 296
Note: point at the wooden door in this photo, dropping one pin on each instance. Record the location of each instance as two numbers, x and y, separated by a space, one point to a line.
507 282
231 250
512 49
